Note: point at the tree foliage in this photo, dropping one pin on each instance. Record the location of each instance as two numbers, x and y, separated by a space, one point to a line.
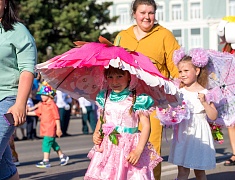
58 23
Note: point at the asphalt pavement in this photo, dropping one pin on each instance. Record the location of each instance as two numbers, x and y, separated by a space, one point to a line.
78 145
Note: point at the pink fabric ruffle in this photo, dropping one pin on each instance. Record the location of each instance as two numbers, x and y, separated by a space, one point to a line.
112 164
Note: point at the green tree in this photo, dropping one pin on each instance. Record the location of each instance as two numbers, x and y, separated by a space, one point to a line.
58 23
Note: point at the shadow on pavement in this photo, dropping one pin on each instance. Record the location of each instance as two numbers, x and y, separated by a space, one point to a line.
58 176
76 159
220 176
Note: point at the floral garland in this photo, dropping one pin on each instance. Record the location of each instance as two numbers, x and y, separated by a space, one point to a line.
216 131
173 115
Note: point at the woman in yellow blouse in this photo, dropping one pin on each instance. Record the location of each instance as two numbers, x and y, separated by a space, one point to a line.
156 42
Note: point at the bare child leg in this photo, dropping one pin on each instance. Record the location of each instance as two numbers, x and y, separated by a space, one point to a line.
200 174
46 156
183 173
59 152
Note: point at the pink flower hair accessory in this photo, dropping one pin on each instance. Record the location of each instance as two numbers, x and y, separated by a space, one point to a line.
199 57
178 55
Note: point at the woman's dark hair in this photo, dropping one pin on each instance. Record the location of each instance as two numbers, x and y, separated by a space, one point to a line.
10 16
136 3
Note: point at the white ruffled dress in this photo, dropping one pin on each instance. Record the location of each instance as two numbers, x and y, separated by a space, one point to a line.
192 145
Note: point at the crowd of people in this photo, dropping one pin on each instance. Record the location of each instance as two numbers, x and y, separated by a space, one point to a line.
135 141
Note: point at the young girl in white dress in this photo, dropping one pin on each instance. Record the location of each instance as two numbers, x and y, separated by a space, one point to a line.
123 153
192 146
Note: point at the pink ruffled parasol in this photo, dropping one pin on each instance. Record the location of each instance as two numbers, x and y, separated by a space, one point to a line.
222 83
79 72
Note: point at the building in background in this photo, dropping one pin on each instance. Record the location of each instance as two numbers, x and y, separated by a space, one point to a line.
193 22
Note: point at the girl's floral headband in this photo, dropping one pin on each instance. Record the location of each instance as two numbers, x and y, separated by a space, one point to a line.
199 56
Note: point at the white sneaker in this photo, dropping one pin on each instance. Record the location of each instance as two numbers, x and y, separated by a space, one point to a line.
64 160
43 164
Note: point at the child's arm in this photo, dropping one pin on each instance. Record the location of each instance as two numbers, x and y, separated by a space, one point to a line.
58 128
32 108
97 139
210 109
135 155
31 113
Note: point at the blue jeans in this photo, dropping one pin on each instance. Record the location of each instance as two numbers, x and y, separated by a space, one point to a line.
7 167
91 117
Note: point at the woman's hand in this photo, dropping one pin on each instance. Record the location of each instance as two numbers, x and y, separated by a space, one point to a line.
134 156
97 139
19 114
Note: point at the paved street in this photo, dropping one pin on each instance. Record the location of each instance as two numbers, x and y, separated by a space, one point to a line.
77 146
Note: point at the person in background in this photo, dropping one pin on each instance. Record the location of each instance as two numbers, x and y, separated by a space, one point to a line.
63 102
225 31
36 99
88 114
75 108
49 125
22 129
31 120
36 83
158 43
15 157
18 56
231 130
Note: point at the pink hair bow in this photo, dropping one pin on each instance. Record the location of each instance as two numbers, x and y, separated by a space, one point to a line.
199 57
178 55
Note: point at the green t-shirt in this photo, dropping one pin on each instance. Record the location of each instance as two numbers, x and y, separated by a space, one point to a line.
18 53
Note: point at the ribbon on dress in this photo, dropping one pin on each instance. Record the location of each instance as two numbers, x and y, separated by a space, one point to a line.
122 129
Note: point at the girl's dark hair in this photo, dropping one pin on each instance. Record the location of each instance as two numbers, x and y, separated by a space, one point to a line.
133 91
136 3
202 77
111 70
10 16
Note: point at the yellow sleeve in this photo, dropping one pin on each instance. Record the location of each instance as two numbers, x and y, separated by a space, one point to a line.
117 40
171 45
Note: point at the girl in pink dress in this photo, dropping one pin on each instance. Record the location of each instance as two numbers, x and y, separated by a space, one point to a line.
121 151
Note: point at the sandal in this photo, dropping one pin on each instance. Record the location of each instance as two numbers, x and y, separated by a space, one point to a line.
231 162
